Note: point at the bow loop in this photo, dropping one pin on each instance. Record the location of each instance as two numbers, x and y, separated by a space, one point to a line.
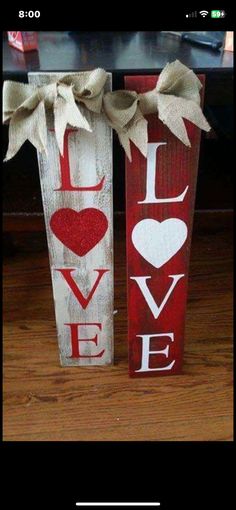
87 83
14 95
178 80
88 88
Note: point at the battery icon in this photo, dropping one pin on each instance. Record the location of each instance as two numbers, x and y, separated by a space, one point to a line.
217 14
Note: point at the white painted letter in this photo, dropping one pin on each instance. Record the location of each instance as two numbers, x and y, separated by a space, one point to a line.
146 352
155 309
151 179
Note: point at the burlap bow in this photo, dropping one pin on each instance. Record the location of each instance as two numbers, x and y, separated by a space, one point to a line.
25 106
175 97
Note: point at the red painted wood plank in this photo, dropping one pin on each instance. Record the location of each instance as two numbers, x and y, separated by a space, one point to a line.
176 168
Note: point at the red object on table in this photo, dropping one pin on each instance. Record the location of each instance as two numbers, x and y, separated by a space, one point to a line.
229 41
160 197
23 41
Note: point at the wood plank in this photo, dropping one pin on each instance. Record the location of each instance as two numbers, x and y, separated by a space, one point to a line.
76 219
43 401
160 197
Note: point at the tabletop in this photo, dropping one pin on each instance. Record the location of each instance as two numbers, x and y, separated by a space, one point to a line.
116 52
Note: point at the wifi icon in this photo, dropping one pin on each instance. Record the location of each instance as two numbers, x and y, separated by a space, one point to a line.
203 13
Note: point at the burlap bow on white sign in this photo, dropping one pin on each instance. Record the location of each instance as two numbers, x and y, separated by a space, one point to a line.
175 97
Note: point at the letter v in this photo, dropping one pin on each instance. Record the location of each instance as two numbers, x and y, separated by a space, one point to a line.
66 272
155 309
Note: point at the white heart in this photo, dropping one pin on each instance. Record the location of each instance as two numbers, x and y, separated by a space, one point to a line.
158 241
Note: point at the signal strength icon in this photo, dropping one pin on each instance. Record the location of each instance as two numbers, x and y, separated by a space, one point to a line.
204 13
192 14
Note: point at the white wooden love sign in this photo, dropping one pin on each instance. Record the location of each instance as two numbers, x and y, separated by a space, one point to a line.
78 210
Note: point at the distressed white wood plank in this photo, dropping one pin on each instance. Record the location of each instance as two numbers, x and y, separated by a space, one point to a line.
90 158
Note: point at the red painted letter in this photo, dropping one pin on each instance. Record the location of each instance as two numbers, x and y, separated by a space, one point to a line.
75 289
65 171
75 353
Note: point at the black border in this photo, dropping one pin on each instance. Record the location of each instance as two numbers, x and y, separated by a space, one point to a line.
179 475
112 16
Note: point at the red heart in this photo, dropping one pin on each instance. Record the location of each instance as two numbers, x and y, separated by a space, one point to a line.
79 231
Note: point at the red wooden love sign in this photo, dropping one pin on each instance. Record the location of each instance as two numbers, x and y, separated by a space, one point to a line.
160 196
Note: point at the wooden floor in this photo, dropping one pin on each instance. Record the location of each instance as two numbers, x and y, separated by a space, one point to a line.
43 401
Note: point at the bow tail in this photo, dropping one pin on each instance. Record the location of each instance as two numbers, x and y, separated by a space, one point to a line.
27 125
178 128
193 112
66 111
136 132
125 143
172 111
